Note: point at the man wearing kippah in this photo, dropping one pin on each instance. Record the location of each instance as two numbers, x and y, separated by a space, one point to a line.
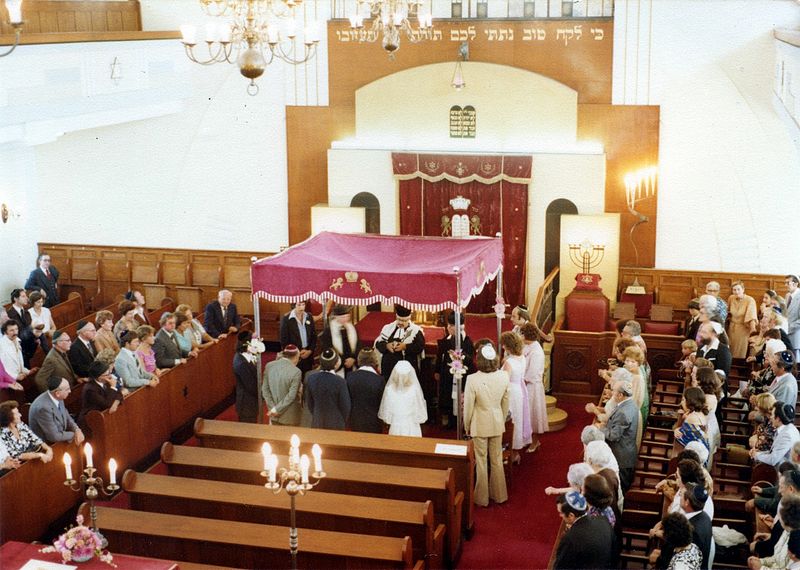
342 336
400 340
786 435
48 416
83 351
281 388
589 541
620 431
784 386
326 393
57 363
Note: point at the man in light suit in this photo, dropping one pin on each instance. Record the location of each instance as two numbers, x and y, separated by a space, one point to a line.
168 353
786 435
620 432
57 363
127 365
281 387
784 386
485 411
792 315
221 316
48 416
45 278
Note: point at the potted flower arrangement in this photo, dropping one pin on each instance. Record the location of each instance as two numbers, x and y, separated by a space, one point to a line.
80 544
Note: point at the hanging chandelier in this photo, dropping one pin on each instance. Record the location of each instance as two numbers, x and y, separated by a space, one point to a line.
390 20
255 33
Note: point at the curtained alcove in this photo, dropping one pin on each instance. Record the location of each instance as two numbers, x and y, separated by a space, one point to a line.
532 122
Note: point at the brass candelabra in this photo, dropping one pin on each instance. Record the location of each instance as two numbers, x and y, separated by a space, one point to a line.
294 479
92 485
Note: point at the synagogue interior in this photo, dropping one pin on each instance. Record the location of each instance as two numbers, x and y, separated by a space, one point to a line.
413 284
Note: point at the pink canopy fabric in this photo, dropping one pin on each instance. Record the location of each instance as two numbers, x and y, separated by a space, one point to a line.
359 269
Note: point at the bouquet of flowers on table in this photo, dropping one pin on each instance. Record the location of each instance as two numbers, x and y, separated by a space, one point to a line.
80 544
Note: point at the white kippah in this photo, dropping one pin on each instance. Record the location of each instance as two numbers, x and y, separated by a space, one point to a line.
403 367
488 352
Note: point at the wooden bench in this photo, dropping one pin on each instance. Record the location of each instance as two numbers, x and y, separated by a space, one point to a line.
322 511
34 495
352 446
68 311
245 545
204 385
344 477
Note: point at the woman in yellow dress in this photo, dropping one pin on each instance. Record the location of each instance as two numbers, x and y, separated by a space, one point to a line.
744 319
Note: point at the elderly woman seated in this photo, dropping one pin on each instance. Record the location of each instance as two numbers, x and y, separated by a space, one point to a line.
575 476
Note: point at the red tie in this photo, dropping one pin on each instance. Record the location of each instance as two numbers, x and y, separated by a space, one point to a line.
47 273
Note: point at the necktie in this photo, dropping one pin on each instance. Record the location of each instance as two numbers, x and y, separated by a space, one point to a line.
788 300
224 314
90 346
47 273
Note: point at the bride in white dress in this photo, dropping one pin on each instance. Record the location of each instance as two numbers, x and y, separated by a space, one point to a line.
403 406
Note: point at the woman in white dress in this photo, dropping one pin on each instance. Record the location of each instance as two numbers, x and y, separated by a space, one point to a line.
514 365
534 374
403 406
41 316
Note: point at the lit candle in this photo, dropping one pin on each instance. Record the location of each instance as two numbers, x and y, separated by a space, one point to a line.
68 466
112 471
294 452
316 451
87 450
273 468
304 468
188 34
266 451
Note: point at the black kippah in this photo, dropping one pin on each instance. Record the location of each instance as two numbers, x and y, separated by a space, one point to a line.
97 369
402 311
53 382
451 318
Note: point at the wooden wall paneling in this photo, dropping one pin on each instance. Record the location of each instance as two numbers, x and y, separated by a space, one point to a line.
60 16
191 296
630 135
144 268
115 275
235 276
574 356
174 271
154 293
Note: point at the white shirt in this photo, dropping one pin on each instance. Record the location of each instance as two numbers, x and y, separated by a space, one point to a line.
4 454
43 319
11 356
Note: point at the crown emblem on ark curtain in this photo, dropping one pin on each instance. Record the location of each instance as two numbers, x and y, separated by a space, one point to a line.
460 224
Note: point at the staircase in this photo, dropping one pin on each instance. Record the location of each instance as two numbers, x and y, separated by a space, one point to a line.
556 417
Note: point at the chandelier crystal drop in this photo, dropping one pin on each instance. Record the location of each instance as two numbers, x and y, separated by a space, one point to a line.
390 20
251 34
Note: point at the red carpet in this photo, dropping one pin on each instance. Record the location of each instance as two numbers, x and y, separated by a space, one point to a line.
520 533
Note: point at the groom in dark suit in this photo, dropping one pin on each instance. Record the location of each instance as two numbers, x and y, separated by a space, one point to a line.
297 329
44 277
366 387
221 317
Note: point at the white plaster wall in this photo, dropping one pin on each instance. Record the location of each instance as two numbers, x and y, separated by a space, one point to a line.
729 163
576 177
177 155
18 236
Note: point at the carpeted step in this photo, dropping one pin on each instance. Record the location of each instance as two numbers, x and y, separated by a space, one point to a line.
551 402
556 419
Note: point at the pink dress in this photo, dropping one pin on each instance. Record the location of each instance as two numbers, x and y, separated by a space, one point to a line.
518 401
534 374
6 379
148 360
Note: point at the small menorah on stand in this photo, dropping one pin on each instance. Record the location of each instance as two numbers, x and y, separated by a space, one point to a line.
294 479
92 485
587 256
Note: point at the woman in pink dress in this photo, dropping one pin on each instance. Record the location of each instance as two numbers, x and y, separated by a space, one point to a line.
534 380
514 365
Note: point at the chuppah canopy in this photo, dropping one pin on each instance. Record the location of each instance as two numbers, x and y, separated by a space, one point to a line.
357 269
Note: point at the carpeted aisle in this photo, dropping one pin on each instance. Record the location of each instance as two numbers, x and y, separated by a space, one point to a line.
520 533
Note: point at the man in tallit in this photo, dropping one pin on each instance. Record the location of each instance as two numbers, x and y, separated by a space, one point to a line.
400 340
341 336
403 406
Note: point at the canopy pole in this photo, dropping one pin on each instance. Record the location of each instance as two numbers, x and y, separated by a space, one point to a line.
259 369
500 313
457 377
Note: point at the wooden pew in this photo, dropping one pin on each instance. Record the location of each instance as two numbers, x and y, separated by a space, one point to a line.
245 545
352 446
201 386
345 477
154 316
34 496
68 311
322 511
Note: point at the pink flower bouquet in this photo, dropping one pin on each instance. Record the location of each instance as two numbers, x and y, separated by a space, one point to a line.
80 544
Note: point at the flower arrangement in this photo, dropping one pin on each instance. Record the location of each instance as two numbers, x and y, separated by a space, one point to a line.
499 307
255 346
80 544
457 368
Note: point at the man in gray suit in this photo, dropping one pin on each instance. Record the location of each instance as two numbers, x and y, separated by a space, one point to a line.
48 416
793 312
281 387
621 433
784 386
168 353
57 363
